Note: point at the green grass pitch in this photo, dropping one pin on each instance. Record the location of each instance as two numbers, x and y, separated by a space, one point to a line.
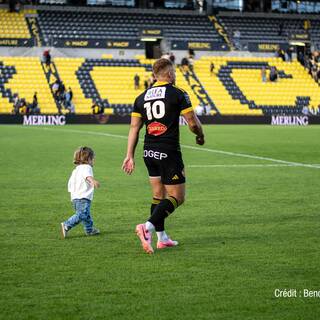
249 226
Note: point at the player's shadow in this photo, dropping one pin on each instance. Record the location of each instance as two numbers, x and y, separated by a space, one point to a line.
102 234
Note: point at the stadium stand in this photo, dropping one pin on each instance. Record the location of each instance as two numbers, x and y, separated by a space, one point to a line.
237 88
104 25
266 29
24 76
260 29
110 83
14 25
315 33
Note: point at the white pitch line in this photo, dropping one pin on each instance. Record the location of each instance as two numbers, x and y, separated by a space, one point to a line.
243 155
95 133
235 154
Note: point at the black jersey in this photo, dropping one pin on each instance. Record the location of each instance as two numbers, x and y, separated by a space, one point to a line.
160 108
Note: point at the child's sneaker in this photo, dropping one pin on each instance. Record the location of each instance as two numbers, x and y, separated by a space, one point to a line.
93 232
145 238
166 244
64 231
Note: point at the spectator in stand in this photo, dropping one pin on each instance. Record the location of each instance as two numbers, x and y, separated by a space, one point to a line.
211 68
273 77
237 39
23 106
185 64
62 89
305 110
97 109
47 59
191 53
55 87
16 104
35 100
199 110
145 82
314 71
34 107
191 63
187 76
289 54
58 89
172 58
301 59
136 80
68 101
280 54
312 110
264 74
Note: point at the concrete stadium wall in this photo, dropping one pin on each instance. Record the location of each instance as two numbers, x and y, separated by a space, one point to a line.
116 53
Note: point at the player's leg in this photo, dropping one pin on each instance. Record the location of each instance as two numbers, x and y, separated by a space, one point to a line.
158 193
175 197
177 191
144 230
173 179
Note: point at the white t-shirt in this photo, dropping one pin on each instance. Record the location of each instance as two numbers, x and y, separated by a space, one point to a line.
78 186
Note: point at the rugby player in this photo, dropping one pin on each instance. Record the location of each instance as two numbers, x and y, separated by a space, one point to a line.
159 108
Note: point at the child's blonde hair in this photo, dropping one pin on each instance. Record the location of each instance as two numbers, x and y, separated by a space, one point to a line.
83 155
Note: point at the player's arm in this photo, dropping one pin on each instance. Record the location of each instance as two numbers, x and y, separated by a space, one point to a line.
133 138
194 125
93 182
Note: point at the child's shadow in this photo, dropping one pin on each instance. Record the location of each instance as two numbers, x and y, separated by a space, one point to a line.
102 234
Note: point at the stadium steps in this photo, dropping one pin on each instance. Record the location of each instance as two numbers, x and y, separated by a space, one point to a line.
52 75
67 68
35 31
199 94
221 31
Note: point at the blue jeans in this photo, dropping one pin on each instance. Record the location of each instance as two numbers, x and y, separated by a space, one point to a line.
82 208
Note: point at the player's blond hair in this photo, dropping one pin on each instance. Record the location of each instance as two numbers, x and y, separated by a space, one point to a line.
161 67
83 155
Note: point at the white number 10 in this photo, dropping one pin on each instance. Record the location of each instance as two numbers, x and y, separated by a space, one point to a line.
155 110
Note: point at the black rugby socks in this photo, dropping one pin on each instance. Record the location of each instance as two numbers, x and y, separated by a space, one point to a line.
162 210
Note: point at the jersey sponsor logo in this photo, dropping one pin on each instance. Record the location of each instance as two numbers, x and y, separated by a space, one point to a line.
154 154
156 128
155 93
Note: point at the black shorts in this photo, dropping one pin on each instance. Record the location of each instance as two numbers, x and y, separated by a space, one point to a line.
166 164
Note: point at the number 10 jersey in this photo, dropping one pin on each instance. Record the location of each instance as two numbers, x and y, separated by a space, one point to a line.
160 108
